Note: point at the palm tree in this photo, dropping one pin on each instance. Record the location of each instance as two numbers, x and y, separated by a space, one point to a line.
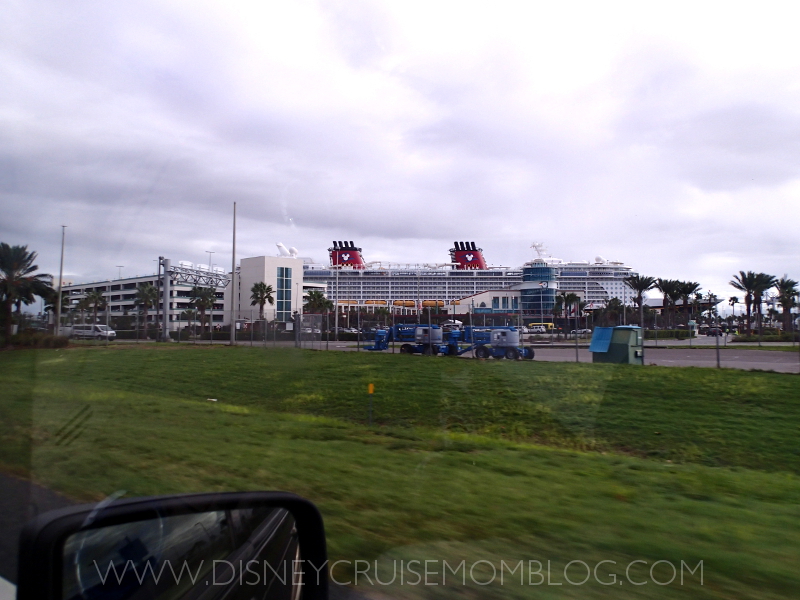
733 301
561 303
261 293
787 297
317 302
146 298
52 300
83 305
555 311
19 281
571 301
190 315
687 288
670 288
745 282
611 312
97 301
763 282
202 298
640 284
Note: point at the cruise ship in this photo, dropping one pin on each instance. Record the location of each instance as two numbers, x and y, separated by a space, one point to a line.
349 280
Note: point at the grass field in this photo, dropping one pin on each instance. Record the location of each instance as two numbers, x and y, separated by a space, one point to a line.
467 459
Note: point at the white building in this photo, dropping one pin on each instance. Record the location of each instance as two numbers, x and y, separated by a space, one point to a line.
283 273
120 295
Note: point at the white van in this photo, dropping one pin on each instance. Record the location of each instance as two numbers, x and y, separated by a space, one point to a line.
92 332
541 329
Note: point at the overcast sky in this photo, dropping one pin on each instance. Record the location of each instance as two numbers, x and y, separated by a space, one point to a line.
667 138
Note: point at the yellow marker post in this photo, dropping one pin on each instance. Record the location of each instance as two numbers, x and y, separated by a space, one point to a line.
370 391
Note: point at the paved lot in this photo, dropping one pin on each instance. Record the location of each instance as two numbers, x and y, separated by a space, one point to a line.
20 501
730 358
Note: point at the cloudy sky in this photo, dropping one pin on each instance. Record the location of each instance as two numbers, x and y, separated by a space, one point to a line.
666 137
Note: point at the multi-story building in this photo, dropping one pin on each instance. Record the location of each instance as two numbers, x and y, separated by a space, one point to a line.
120 295
283 273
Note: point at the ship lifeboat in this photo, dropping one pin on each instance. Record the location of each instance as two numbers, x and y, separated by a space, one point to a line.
439 303
405 303
380 302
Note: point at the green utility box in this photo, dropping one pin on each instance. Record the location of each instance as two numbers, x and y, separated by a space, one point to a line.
620 345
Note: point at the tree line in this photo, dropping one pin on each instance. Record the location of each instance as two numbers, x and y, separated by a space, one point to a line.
754 286
20 284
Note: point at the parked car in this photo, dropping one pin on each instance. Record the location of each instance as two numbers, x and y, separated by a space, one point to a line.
92 332
716 331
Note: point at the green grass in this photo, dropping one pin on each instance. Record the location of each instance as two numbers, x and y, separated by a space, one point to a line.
468 460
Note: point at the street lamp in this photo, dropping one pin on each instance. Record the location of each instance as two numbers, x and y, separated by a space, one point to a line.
57 330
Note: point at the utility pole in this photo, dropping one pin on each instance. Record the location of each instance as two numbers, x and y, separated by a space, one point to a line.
234 291
60 279
336 308
716 337
577 306
165 294
214 298
158 306
108 307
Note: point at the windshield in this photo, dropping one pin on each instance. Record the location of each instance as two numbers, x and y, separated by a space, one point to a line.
505 289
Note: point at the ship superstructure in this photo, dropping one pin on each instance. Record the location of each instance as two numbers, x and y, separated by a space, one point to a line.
407 288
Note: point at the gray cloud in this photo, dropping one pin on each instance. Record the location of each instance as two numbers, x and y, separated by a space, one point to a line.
138 125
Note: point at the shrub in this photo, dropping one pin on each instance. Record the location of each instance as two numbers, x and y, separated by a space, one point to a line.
783 337
130 334
665 334
38 340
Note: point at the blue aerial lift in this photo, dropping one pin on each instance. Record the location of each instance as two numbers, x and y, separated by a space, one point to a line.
493 341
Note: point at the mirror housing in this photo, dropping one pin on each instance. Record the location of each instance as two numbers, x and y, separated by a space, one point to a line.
229 542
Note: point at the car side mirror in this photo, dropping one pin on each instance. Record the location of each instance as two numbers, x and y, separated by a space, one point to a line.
198 546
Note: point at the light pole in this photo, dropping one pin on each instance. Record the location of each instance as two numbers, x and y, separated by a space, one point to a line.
213 299
211 313
336 307
712 299
299 313
60 279
119 272
624 311
234 290
108 307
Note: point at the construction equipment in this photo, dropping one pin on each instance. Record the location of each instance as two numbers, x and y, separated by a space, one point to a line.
486 342
493 342
414 339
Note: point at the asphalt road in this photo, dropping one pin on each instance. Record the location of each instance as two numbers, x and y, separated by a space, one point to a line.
20 501
705 356
730 358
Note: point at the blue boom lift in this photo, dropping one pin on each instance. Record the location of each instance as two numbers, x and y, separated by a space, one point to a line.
497 342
